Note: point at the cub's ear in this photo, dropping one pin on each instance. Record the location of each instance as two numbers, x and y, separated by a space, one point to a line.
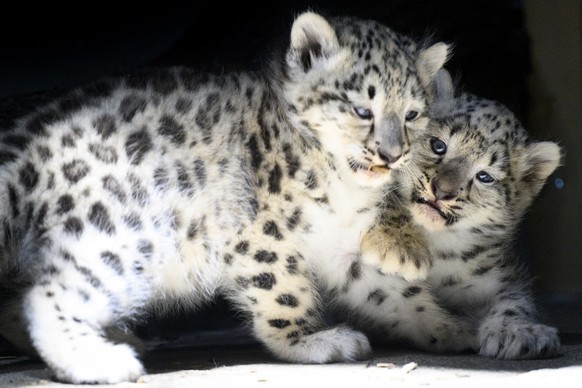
430 61
539 160
443 94
312 38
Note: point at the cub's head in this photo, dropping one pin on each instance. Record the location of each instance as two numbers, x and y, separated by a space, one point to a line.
475 167
358 91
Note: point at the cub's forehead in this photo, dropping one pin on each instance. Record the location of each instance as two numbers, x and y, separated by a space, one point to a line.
480 124
377 56
470 142
477 134
368 34
492 120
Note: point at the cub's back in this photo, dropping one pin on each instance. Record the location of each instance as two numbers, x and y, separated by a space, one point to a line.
161 153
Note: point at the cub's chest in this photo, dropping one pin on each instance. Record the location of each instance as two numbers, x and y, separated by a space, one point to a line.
332 242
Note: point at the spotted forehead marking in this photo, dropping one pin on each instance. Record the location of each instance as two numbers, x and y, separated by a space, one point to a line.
380 58
486 129
492 119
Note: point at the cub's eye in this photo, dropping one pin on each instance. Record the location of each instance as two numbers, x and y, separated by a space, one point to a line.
411 115
438 146
364 113
483 177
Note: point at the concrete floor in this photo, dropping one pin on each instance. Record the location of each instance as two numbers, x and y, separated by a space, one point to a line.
223 355
247 365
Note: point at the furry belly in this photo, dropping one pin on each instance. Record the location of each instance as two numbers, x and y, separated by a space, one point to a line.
191 269
453 283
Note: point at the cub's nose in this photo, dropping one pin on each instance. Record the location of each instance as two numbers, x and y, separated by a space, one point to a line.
444 190
389 138
389 157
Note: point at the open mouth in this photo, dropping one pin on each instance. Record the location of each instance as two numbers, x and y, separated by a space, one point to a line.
379 168
368 168
432 211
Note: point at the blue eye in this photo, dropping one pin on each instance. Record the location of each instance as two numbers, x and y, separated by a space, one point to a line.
411 115
483 177
438 146
364 113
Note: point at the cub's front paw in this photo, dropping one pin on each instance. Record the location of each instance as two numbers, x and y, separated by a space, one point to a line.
519 341
100 364
407 256
339 344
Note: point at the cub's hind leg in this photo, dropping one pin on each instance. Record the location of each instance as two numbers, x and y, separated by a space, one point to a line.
274 286
511 331
392 309
78 295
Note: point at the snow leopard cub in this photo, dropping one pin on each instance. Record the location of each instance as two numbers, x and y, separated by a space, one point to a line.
450 230
166 189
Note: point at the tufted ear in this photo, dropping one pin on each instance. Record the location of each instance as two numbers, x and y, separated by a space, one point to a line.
443 94
312 38
430 61
539 161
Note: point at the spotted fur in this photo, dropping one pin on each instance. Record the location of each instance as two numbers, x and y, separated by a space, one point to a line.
167 188
451 230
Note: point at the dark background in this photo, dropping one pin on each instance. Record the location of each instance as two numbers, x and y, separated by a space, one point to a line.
48 49
58 47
